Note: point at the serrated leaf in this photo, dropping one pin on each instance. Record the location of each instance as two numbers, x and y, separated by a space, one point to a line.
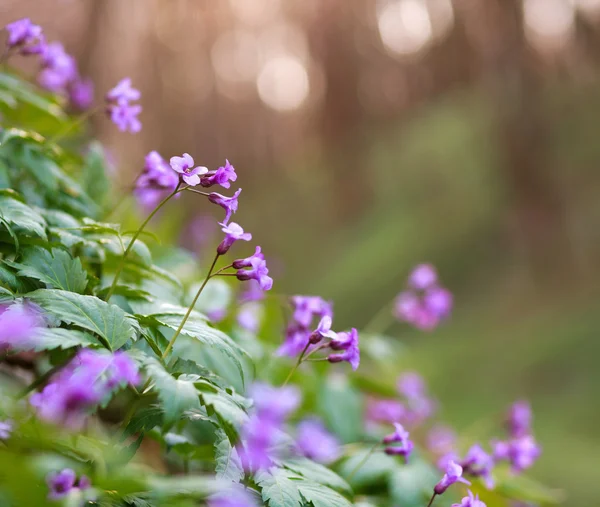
341 407
108 321
57 269
176 395
144 420
412 484
371 471
283 488
19 216
228 465
56 337
318 473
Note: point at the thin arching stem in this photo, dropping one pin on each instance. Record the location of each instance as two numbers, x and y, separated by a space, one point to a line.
362 462
189 310
134 239
381 321
432 499
300 357
197 191
82 118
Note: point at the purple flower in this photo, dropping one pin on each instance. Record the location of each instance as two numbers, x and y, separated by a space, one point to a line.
453 474
478 463
18 327
25 35
60 483
6 428
249 316
411 385
229 204
386 411
524 451
258 271
323 331
400 436
315 442
308 307
123 92
441 440
422 277
222 176
470 501
124 116
348 344
233 232
438 302
274 403
500 450
247 262
253 292
58 68
156 181
519 419
184 165
234 496
81 94
296 339
442 463
84 483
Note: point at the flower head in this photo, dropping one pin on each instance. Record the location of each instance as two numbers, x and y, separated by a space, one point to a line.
400 436
61 483
156 181
470 501
6 428
441 440
411 385
453 474
323 331
385 410
125 116
229 204
258 271
123 92
222 176
234 496
233 232
519 419
58 68
308 307
26 36
184 165
275 403
478 463
296 339
523 453
249 316
18 327
81 94
438 302
422 277
348 344
315 442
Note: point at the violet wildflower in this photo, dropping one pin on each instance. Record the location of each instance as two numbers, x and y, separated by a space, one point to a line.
315 442
296 339
249 316
385 410
411 385
323 331
470 501
253 292
445 459
123 92
524 451
400 436
58 68
258 271
233 232
81 94
6 428
438 302
519 419
275 403
25 36
222 176
184 165
308 307
61 483
422 277
122 113
478 463
18 327
229 204
441 440
156 181
453 474
348 344
234 496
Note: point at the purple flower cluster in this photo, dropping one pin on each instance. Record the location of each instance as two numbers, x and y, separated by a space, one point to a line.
120 109
184 166
25 37
60 484
87 381
315 442
425 303
403 446
18 327
156 181
453 475
470 501
306 310
222 176
229 204
347 346
258 269
260 433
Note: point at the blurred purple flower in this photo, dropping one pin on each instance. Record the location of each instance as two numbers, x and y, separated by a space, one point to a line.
385 411
478 463
222 176
315 442
438 302
401 437
18 327
275 403
123 92
323 331
199 232
518 420
296 339
26 36
453 474
470 501
233 232
411 385
184 165
441 440
58 68
6 428
156 181
81 94
124 116
229 204
234 496
524 451
422 277
60 483
308 307
348 344
249 316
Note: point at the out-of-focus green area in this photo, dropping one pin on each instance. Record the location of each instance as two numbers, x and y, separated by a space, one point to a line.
475 149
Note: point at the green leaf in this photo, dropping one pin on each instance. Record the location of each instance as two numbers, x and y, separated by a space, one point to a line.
198 329
412 484
95 181
176 395
22 218
318 473
372 472
282 488
144 420
108 321
341 407
228 465
56 337
57 269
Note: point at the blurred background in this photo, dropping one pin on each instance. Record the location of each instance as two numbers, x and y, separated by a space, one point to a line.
373 135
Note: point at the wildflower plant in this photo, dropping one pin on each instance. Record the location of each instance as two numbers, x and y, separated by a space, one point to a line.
126 385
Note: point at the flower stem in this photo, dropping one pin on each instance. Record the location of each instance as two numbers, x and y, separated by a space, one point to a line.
218 272
362 462
300 357
134 239
189 310
83 117
381 321
197 191
432 499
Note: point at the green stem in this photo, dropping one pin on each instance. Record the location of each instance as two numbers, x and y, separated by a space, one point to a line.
432 499
134 239
362 462
219 271
85 116
189 311
300 357
197 191
381 321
